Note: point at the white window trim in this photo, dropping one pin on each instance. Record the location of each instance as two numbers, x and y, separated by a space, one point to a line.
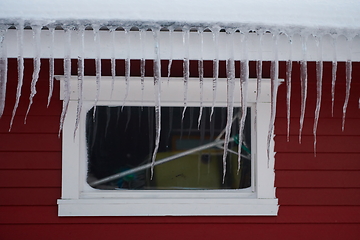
79 199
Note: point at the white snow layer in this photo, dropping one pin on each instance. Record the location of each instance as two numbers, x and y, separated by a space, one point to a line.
304 14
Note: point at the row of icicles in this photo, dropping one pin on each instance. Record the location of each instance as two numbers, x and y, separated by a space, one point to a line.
230 70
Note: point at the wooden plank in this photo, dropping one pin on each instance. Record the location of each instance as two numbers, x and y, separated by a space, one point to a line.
325 144
34 124
30 178
29 142
318 196
29 196
322 161
326 126
287 214
182 231
30 160
317 179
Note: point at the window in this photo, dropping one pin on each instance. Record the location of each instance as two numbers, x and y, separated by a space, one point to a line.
119 137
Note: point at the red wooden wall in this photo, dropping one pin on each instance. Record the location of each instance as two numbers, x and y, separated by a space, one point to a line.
319 197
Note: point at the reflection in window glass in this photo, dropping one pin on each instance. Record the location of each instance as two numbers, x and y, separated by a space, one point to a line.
122 138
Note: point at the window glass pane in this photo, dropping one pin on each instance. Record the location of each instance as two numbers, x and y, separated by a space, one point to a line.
123 138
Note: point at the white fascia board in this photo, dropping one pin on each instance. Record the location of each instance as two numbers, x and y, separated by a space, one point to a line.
277 14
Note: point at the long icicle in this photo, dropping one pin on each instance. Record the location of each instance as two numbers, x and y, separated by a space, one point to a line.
215 31
157 91
171 53
3 69
348 83
113 59
142 33
288 88
230 70
20 68
37 64
51 64
259 64
274 74
127 65
80 77
186 66
67 74
319 77
244 77
303 79
201 74
96 30
333 76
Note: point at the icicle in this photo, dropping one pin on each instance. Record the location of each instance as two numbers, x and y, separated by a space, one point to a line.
348 83
333 78
51 64
96 29
67 74
303 79
127 65
113 59
20 68
186 66
274 74
244 76
201 73
258 76
35 75
319 76
80 65
171 53
142 62
230 72
157 90
3 70
288 89
215 32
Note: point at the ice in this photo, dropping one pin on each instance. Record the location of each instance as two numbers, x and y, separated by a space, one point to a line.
274 73
215 31
96 29
171 53
319 76
258 74
303 79
142 35
127 65
244 77
186 66
20 68
230 71
3 70
333 76
113 59
51 64
348 83
288 89
157 91
67 74
80 65
201 74
37 64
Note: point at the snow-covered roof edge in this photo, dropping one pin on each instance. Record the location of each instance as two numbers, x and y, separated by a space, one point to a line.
296 15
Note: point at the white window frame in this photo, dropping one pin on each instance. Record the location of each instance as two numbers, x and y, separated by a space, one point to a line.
79 199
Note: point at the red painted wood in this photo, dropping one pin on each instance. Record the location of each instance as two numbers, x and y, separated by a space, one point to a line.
317 179
182 231
34 124
29 142
322 161
30 178
287 214
30 160
29 196
318 196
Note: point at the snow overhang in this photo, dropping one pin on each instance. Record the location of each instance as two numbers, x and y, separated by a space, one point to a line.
335 16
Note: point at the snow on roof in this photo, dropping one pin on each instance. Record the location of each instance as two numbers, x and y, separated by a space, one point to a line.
304 14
